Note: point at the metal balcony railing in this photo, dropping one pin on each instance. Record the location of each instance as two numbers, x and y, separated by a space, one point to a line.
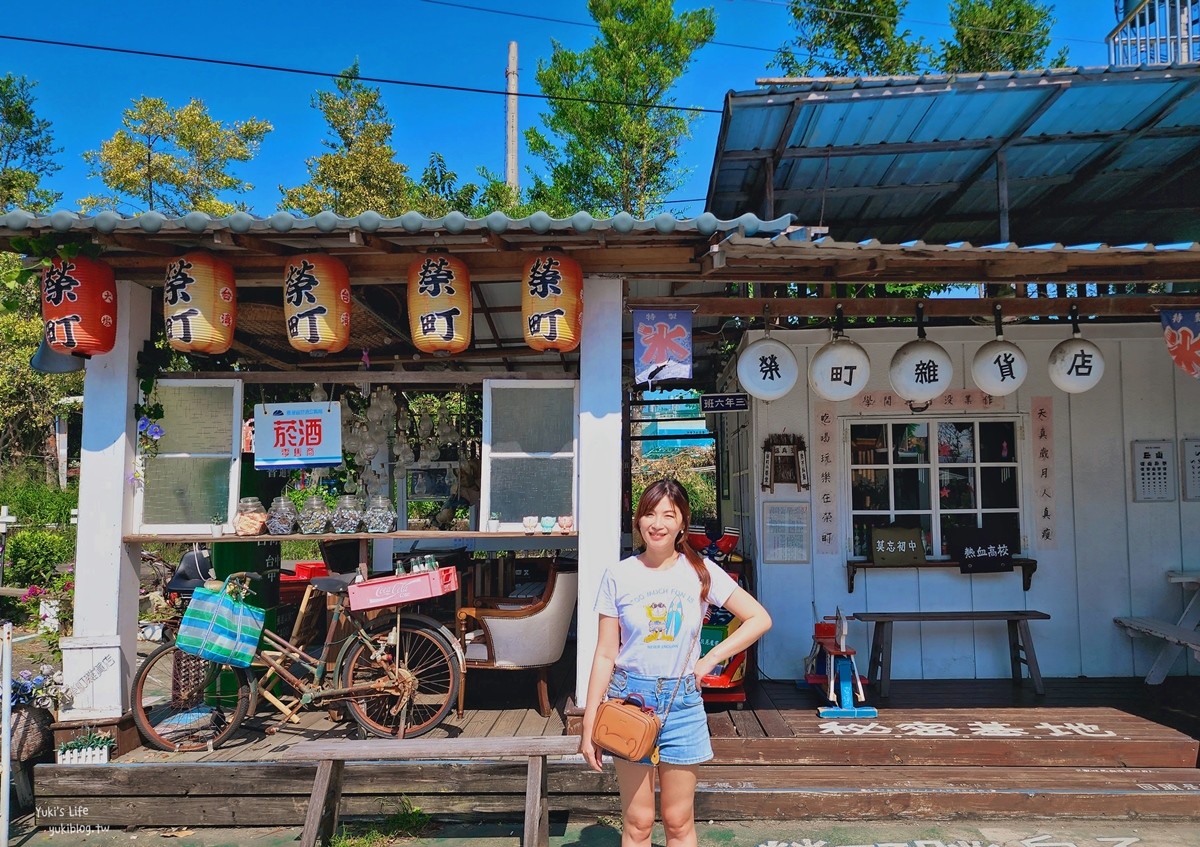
1155 32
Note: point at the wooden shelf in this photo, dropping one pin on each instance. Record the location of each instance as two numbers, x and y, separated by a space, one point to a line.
409 535
1028 568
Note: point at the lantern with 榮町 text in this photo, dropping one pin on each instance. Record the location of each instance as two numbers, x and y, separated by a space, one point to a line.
200 304
316 303
439 304
79 306
552 302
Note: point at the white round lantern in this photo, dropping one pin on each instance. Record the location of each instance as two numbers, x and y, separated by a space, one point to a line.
1076 365
767 369
839 370
921 370
999 367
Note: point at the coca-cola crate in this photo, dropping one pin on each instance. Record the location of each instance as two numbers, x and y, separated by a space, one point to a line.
393 590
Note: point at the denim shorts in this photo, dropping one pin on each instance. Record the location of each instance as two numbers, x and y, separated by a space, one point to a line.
684 736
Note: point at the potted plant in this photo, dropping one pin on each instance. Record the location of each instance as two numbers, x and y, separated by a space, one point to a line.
90 748
218 525
34 699
493 523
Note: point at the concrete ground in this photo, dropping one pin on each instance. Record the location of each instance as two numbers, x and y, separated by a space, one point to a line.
573 831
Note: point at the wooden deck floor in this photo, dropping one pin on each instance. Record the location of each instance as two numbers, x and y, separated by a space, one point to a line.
1112 748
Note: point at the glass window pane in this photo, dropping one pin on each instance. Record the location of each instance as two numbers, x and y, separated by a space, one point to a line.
533 420
949 522
956 488
868 444
999 489
185 490
525 486
910 443
912 488
1006 526
925 522
868 491
196 419
862 532
956 443
997 442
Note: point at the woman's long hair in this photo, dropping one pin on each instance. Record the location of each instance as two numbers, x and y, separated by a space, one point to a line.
675 493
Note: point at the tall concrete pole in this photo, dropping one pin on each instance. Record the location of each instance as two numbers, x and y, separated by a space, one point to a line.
510 147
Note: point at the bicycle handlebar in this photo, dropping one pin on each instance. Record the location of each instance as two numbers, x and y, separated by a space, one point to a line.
251 575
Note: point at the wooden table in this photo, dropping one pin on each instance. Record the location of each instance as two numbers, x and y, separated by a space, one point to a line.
1020 640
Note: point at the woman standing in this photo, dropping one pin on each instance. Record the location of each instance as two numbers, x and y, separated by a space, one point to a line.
651 607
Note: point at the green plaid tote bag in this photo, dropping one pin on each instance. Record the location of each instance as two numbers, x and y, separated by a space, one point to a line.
220 627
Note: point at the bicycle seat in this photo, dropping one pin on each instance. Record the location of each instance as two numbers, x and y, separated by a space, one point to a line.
194 568
335 584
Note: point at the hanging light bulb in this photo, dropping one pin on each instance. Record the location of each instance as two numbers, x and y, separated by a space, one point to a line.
318 395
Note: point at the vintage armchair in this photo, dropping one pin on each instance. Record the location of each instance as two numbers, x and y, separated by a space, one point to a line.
531 637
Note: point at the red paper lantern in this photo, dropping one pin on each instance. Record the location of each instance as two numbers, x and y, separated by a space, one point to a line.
79 306
439 304
316 302
200 304
552 302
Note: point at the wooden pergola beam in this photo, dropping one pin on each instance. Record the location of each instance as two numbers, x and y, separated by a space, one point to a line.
890 307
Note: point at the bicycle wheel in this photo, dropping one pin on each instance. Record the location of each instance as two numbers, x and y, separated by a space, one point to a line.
182 702
424 686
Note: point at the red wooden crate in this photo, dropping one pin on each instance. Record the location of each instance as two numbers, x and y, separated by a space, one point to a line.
393 590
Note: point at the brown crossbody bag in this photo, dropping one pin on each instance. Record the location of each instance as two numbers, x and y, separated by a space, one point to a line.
629 728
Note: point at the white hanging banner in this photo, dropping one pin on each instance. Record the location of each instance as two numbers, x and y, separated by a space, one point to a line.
297 435
824 476
1041 427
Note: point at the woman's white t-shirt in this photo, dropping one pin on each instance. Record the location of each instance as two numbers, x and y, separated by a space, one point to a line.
659 611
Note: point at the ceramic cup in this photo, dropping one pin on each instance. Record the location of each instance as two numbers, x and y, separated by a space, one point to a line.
529 523
548 524
566 523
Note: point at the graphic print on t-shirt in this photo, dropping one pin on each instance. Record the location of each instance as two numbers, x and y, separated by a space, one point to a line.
662 622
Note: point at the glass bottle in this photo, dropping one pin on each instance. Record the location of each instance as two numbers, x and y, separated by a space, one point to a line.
281 517
380 516
314 517
348 514
251 517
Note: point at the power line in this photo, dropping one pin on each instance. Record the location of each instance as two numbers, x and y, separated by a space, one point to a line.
338 75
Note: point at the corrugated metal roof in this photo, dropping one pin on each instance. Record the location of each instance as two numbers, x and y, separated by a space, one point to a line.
455 223
901 158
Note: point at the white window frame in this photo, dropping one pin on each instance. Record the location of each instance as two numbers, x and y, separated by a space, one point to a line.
485 482
935 511
235 464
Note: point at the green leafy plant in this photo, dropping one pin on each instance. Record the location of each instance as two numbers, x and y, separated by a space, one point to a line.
40 252
407 821
59 590
89 739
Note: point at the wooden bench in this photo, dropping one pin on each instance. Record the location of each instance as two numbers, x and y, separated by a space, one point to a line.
1028 569
331 756
1020 640
1176 636
1170 632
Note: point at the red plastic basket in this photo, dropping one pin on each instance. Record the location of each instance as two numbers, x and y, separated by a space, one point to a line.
308 570
394 590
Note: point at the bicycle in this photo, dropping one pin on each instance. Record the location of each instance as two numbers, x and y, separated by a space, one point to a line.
399 677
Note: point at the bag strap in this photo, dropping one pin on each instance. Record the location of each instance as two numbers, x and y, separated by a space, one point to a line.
679 676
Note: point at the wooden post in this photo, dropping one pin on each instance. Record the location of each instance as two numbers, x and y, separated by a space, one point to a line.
598 514
101 655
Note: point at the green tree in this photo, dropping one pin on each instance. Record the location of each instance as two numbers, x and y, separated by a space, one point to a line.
850 38
358 172
995 35
617 151
173 160
27 149
28 399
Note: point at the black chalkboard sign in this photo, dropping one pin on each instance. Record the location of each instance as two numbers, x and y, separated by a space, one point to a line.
980 550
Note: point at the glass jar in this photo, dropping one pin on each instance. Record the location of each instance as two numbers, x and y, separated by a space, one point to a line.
380 516
314 517
281 517
251 517
348 514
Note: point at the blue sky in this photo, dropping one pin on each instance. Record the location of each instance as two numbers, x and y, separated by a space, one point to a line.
84 92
